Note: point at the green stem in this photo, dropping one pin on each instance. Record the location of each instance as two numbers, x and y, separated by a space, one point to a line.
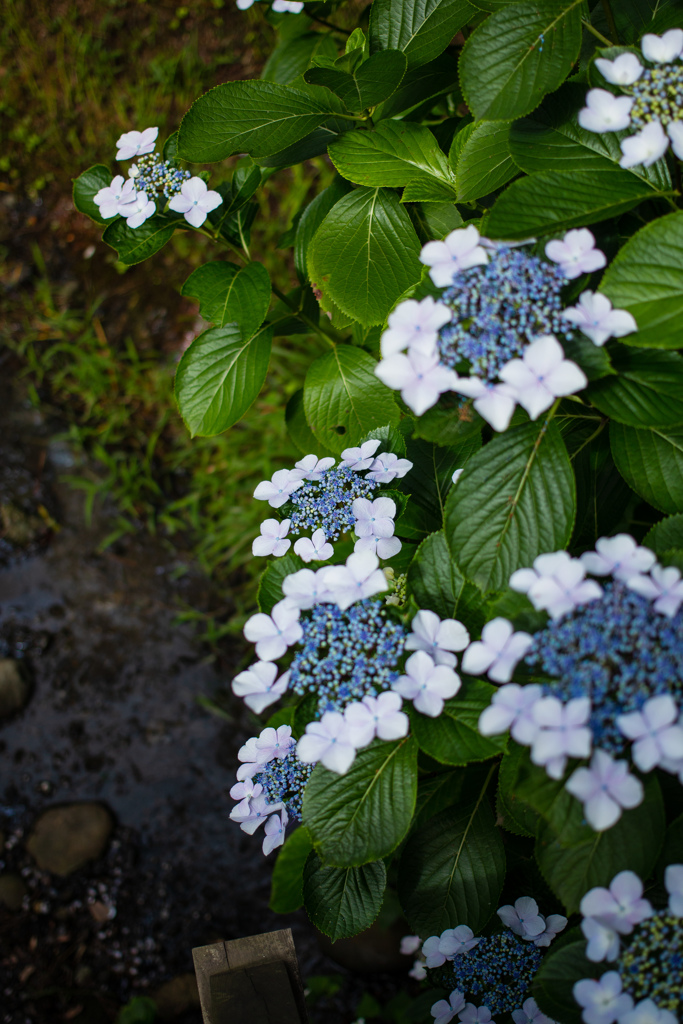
611 23
603 424
330 335
328 24
598 35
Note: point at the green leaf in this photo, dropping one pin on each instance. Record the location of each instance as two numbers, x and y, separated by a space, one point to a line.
449 421
553 201
344 400
312 218
395 154
437 584
593 360
646 278
436 793
421 28
513 814
515 500
87 185
553 140
343 901
561 968
259 118
363 816
453 737
230 294
235 213
420 85
574 859
452 871
299 430
484 163
365 254
219 377
666 535
518 55
134 245
372 82
287 882
648 392
651 462
430 481
292 57
270 584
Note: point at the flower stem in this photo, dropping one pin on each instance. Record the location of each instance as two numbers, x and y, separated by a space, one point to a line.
598 35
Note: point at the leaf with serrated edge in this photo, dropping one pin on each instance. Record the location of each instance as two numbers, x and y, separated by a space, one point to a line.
651 462
343 901
394 154
648 391
421 28
286 887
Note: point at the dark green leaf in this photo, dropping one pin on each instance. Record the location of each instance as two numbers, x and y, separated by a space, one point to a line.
651 462
259 118
514 814
292 57
515 500
312 218
270 584
134 245
562 967
219 377
421 28
363 815
484 163
453 737
431 480
344 400
518 55
365 254
452 870
648 392
449 421
593 360
298 428
554 201
343 901
437 584
436 793
646 278
230 294
420 85
666 535
287 883
87 185
372 82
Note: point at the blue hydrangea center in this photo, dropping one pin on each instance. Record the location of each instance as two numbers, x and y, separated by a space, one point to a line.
499 308
157 175
618 651
658 96
496 973
651 965
284 781
347 655
326 504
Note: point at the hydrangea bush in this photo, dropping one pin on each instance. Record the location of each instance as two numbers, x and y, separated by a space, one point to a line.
468 650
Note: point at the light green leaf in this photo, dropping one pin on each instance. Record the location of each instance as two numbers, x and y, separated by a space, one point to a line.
553 201
230 294
394 154
453 737
365 254
343 901
651 462
648 391
437 584
259 118
363 816
646 278
219 377
484 163
287 882
134 245
515 500
421 28
344 400
518 55
312 218
452 870
87 185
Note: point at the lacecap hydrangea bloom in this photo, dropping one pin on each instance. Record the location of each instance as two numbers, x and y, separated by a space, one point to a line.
349 651
649 103
279 6
492 974
329 500
606 671
644 944
495 333
152 182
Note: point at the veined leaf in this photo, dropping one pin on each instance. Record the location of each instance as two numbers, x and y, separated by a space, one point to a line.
230 294
648 391
287 883
343 901
484 163
134 245
87 185
394 154
421 28
651 462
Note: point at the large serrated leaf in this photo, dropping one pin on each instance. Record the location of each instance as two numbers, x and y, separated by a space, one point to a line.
230 294
86 186
514 501
394 154
134 245
437 584
648 391
453 737
562 967
484 163
343 901
287 883
651 462
421 28
363 815
518 55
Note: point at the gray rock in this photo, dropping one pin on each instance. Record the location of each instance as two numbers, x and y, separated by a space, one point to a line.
12 891
14 688
65 838
177 996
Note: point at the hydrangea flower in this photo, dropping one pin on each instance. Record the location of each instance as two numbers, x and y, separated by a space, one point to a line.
494 971
272 540
439 638
652 102
376 716
278 489
258 685
132 144
113 199
609 665
154 175
140 209
315 548
328 741
444 1011
502 321
274 633
646 947
387 467
195 200
428 685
